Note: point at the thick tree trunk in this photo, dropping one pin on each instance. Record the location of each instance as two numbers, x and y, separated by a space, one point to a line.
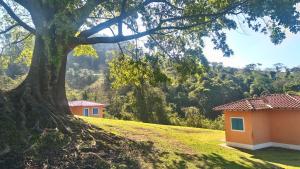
38 104
36 130
41 98
46 77
36 126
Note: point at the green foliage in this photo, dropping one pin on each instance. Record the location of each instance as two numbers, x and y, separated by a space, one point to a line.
137 80
85 50
292 86
190 101
194 118
189 65
80 78
25 56
73 94
125 71
194 90
7 83
151 105
125 116
144 85
4 62
146 104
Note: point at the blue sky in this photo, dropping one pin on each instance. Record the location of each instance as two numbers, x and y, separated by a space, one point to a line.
252 47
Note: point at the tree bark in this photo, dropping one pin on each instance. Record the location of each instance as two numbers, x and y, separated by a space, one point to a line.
46 77
36 113
42 97
39 103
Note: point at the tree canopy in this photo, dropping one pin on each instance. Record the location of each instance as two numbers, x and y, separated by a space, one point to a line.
191 20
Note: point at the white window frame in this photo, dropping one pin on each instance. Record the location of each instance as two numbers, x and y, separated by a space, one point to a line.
97 109
87 111
244 128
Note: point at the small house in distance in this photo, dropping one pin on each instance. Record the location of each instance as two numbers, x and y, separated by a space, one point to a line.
87 108
267 121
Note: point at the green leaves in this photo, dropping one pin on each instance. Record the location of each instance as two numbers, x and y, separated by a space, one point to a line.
126 71
85 50
277 36
4 62
25 56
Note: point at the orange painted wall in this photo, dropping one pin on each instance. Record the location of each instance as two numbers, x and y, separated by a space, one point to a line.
244 137
280 126
78 110
261 126
285 126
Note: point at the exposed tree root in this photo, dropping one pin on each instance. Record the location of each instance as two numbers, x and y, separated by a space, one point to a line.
33 135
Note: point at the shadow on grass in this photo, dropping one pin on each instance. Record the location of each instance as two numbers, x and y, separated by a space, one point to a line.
277 155
158 159
212 161
155 158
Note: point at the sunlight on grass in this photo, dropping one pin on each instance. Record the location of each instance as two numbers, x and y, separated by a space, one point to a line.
188 147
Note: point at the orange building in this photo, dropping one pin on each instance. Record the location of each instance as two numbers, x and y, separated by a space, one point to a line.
87 108
267 121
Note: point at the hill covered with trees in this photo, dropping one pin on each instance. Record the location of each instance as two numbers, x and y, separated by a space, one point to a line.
164 90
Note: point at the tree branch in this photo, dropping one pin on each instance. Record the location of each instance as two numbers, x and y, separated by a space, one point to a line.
211 15
119 45
120 18
160 46
172 6
120 24
89 32
9 28
83 39
21 40
114 39
16 18
23 3
117 39
85 11
15 42
151 36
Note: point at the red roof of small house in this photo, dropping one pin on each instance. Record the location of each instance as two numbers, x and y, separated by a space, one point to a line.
84 103
273 101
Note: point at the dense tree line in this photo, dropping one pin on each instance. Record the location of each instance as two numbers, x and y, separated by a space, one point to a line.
154 88
186 95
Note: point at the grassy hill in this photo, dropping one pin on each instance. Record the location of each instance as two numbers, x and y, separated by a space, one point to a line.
186 147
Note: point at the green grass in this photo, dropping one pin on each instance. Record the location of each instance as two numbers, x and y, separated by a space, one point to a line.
186 147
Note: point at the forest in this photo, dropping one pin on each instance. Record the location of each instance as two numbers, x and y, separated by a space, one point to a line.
162 90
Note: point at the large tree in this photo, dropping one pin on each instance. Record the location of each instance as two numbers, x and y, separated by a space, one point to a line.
59 26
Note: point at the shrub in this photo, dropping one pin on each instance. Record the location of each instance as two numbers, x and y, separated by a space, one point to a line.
193 118
125 116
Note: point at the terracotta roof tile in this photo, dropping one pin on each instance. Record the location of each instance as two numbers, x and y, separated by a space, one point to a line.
274 101
259 104
84 103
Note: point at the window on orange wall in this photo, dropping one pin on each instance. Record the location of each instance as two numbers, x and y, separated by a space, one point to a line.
95 111
237 124
86 111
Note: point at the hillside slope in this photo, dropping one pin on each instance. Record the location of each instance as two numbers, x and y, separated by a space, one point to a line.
185 147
